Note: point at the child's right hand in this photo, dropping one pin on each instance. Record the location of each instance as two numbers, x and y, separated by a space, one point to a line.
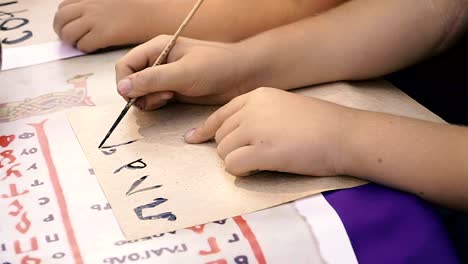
198 72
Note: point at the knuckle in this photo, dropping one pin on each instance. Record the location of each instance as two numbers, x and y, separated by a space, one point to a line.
105 36
153 79
162 38
229 165
220 152
56 23
146 81
258 95
214 119
202 132
120 71
231 168
66 35
119 65
176 53
261 90
217 137
190 74
62 4
264 90
139 81
85 46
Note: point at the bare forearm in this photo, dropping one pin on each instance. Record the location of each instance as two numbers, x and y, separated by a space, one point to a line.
428 159
356 40
233 20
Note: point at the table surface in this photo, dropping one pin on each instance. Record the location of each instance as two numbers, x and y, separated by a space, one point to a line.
54 210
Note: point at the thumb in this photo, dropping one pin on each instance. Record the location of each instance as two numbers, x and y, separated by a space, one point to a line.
167 77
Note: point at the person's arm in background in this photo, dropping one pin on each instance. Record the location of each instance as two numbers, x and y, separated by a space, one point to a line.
359 39
95 24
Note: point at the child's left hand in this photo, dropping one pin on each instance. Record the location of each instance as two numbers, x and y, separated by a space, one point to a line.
274 130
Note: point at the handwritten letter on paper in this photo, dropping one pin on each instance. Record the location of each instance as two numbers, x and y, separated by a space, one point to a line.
156 183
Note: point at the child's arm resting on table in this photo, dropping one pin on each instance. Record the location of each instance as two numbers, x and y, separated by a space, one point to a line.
269 129
357 40
95 24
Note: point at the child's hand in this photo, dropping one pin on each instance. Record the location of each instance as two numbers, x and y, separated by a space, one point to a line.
197 72
270 129
95 24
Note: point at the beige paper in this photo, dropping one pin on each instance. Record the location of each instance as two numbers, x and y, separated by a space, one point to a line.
192 177
27 22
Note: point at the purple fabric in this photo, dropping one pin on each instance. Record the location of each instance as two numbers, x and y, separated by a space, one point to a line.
388 226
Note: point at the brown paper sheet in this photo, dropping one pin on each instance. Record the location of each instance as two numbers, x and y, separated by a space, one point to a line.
194 187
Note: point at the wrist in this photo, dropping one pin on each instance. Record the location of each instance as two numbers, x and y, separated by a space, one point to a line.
347 153
285 57
258 58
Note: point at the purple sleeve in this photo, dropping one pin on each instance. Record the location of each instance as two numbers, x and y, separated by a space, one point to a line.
388 226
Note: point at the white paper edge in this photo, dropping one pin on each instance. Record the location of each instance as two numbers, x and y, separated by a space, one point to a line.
326 225
17 57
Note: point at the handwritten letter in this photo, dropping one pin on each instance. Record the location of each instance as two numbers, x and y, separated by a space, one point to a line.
156 183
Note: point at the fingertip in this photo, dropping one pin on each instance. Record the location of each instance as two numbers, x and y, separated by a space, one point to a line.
64 15
154 105
88 43
167 95
124 87
85 47
233 169
62 4
189 136
196 136
237 173
244 161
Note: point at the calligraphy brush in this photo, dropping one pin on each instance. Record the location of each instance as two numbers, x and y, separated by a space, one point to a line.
161 59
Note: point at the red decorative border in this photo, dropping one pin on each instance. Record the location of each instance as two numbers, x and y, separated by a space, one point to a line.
44 144
250 236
